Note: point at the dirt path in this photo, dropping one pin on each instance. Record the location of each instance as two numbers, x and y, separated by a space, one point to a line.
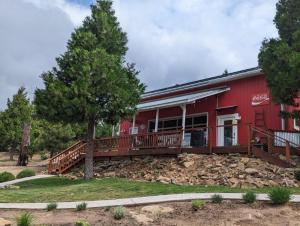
35 163
179 214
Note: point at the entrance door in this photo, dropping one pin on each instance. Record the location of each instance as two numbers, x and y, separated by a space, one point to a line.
227 131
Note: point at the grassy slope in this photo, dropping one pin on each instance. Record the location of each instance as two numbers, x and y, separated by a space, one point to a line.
61 189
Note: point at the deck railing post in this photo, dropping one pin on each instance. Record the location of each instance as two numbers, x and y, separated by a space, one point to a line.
287 150
249 139
210 141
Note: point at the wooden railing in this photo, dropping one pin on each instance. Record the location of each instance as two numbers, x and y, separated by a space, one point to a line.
56 161
169 139
273 140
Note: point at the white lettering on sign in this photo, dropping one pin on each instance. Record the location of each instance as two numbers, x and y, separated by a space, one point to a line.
260 99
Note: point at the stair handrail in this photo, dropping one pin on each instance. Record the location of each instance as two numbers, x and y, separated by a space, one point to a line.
272 135
72 152
65 151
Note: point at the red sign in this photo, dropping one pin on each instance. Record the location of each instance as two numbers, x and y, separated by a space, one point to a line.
260 99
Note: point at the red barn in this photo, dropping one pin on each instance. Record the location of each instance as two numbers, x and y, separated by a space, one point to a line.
215 110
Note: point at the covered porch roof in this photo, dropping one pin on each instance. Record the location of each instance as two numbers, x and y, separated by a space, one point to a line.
180 100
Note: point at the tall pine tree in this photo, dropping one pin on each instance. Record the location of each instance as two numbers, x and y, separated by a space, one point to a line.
92 81
280 58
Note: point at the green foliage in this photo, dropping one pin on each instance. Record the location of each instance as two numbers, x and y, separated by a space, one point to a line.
279 195
26 173
82 223
103 130
249 197
6 176
13 119
44 155
81 206
118 212
280 58
25 219
297 175
216 198
197 204
92 82
51 206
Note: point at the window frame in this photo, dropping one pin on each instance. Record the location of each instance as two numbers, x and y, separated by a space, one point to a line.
296 127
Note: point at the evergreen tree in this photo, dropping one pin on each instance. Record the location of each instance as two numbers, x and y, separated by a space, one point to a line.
13 120
92 81
280 58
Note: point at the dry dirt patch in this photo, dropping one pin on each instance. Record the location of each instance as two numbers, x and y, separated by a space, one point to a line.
35 163
179 214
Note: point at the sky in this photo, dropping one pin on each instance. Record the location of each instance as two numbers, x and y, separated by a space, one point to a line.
170 41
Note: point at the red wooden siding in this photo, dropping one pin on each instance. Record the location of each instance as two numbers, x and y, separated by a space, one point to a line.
240 95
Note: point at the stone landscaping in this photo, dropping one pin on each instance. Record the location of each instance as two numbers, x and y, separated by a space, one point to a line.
232 170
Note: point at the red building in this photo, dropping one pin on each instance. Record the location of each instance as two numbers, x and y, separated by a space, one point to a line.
215 110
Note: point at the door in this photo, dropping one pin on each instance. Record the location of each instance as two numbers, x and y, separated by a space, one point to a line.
227 130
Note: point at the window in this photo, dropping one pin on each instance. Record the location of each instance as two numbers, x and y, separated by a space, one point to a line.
297 124
197 121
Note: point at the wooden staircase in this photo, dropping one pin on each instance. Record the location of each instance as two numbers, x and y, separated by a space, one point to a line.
268 152
67 158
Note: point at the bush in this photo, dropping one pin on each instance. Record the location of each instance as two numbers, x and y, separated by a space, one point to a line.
6 176
249 197
81 206
197 204
118 213
279 196
25 219
297 175
216 198
82 223
51 206
26 173
44 156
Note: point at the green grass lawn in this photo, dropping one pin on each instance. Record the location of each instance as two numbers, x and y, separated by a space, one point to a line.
57 189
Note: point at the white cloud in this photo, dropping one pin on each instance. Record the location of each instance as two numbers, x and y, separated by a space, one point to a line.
171 41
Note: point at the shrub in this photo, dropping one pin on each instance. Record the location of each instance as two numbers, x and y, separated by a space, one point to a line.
81 206
216 198
249 197
197 204
26 173
44 155
279 195
6 176
25 219
297 175
51 206
82 223
118 213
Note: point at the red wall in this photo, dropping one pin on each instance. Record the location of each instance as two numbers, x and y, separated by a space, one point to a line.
240 94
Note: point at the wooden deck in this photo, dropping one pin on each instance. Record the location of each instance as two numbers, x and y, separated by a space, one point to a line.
170 143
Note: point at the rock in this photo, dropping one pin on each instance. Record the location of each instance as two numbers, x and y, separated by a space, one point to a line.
4 222
110 174
233 165
164 180
188 164
141 218
251 171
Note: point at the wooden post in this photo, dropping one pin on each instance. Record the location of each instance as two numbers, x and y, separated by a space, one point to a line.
249 139
270 144
210 141
287 150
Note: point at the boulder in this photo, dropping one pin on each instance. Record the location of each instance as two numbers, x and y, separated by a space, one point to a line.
251 171
4 222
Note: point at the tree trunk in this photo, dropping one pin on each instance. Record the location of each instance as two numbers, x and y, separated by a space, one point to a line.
88 167
23 156
11 154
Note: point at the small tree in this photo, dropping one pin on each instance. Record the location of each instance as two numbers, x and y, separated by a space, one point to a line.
280 58
92 82
13 120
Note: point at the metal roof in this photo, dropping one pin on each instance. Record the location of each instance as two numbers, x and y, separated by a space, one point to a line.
179 100
203 82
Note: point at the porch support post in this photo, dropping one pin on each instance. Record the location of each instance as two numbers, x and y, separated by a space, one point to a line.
133 121
183 107
156 120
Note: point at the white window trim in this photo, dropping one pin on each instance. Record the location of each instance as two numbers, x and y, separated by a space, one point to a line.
295 125
179 117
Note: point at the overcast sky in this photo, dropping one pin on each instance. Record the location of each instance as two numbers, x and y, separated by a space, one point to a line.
171 41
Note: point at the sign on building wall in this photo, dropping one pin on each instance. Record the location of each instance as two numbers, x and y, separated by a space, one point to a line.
260 99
